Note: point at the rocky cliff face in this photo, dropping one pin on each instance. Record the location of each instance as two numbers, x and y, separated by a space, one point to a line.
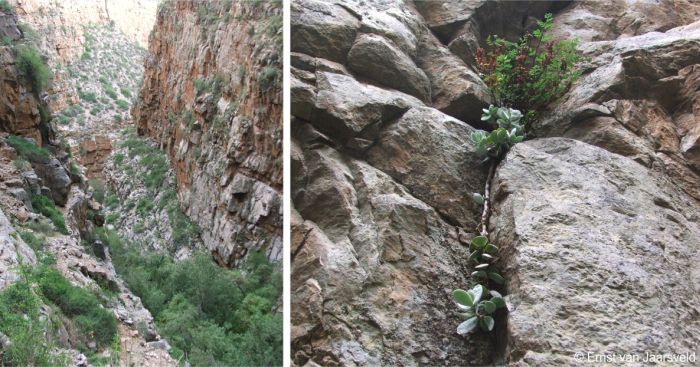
211 97
20 103
597 215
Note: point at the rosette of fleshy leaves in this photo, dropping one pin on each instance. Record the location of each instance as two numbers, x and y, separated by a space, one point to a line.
509 130
477 306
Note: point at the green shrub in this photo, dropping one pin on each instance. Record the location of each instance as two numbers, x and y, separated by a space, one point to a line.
87 96
32 240
110 91
112 218
5 6
125 92
99 189
267 78
46 206
530 73
79 304
144 206
124 105
27 149
211 315
21 321
32 67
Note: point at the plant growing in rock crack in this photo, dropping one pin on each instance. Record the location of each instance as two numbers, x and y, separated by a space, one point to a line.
508 132
477 306
530 73
479 303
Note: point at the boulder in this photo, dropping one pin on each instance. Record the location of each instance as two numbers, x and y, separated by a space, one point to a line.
322 29
372 262
600 254
432 155
377 58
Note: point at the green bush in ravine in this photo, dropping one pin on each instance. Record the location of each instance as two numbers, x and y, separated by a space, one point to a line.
20 320
79 304
44 205
32 67
209 315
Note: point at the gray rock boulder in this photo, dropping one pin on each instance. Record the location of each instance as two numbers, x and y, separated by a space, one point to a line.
13 252
377 58
600 255
322 29
372 262
432 155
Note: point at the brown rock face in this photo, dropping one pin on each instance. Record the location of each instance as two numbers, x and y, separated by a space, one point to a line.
211 97
93 153
19 104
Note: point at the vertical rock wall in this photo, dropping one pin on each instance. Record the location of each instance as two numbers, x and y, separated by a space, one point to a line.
597 216
212 98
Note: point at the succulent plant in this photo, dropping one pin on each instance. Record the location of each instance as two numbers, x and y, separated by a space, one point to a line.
476 308
509 132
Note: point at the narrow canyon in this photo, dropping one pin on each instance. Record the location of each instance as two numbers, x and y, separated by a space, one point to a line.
140 183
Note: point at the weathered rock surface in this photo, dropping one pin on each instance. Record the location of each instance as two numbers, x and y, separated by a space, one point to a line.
212 100
597 235
371 263
595 262
13 252
19 104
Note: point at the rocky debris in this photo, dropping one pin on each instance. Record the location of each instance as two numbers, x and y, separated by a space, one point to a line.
593 260
593 234
153 226
213 134
55 177
13 252
382 175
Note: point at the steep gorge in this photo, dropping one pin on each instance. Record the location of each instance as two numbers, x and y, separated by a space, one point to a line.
217 113
137 218
596 214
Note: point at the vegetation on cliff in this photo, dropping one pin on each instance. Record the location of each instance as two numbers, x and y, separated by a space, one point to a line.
527 74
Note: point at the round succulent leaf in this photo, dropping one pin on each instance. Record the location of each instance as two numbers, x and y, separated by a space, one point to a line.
496 277
481 266
477 292
467 326
488 306
498 301
480 241
486 323
491 248
478 198
463 297
479 274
